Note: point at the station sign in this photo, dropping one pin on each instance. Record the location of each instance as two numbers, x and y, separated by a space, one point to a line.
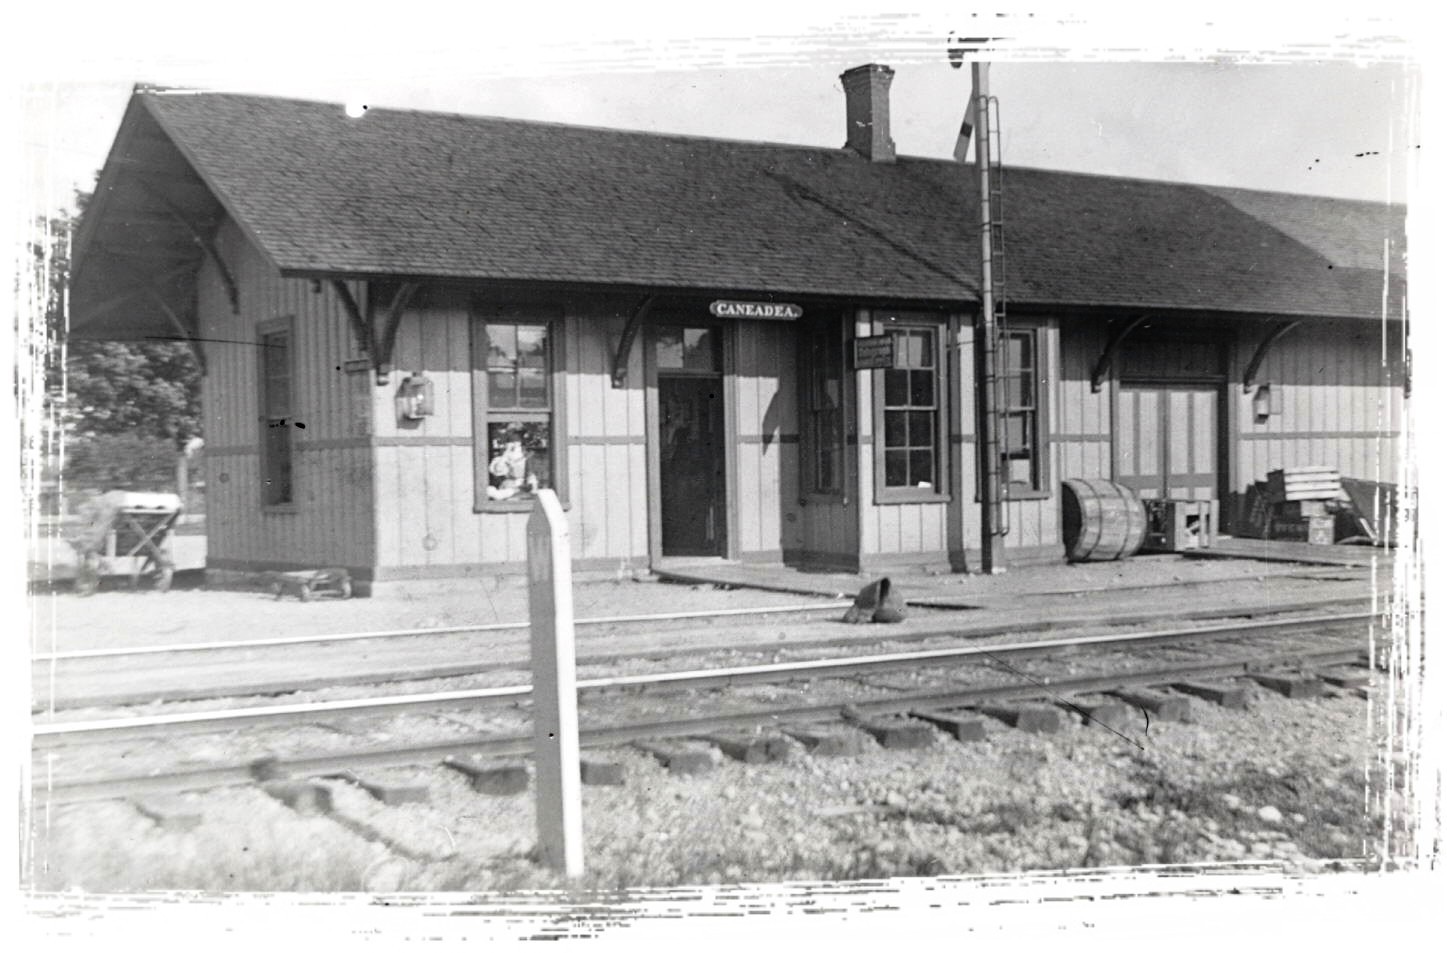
766 310
872 353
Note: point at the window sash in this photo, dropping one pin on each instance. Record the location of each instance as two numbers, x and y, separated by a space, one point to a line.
823 346
277 410
1022 443
511 346
909 438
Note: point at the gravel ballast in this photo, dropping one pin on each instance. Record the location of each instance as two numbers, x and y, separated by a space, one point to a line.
1292 782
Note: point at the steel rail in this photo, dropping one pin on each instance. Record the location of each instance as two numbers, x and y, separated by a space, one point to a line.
62 732
66 790
401 633
42 702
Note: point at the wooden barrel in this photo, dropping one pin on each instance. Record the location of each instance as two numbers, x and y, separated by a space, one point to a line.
1101 520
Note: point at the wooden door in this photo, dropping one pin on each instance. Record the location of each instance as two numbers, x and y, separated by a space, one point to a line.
691 466
1167 440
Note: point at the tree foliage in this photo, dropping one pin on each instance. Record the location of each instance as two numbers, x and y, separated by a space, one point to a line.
129 407
148 390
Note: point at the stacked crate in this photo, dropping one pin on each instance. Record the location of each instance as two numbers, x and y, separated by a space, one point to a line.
1303 503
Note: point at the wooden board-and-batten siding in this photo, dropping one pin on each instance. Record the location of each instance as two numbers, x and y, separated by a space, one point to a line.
1339 388
329 521
427 523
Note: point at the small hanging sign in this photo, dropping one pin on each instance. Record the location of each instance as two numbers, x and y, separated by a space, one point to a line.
871 353
767 310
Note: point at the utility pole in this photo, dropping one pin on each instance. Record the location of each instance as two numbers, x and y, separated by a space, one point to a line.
991 496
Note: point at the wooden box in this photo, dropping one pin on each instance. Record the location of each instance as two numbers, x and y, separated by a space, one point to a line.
1301 509
1174 526
1303 483
1319 530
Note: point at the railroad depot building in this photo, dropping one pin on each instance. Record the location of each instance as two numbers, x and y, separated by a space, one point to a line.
738 350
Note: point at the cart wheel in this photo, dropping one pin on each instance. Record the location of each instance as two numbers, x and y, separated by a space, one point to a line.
345 588
163 580
306 593
87 577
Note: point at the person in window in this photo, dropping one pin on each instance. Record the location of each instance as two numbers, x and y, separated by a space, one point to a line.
509 469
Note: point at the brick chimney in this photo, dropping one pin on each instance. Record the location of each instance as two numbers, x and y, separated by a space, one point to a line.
866 106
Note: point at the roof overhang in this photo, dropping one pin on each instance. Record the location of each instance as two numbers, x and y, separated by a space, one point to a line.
141 239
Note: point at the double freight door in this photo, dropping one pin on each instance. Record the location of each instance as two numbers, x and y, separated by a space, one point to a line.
1167 440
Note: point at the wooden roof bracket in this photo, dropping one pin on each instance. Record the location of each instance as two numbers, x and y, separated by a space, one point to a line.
625 344
207 245
186 333
1117 338
360 328
375 341
1249 378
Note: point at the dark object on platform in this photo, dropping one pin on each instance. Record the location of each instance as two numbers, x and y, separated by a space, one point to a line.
877 602
1174 526
1102 520
1371 511
310 583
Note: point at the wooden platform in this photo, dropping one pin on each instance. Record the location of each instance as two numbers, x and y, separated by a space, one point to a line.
1277 550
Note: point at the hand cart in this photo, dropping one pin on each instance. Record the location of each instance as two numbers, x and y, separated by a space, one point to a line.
133 526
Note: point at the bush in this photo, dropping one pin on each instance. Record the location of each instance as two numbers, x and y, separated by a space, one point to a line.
120 462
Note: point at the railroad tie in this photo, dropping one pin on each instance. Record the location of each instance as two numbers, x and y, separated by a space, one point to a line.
893 732
1161 706
388 792
1036 719
1105 713
1225 694
170 812
681 757
499 778
599 771
1347 678
829 742
961 726
760 748
304 797
1292 686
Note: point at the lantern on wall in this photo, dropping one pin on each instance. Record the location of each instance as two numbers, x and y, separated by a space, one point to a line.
414 397
1266 401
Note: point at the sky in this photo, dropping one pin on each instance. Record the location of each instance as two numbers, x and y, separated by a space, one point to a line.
1323 110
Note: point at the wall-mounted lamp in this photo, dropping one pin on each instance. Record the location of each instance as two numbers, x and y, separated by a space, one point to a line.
414 397
1266 401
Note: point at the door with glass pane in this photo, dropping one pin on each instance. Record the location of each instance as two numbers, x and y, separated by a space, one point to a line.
692 459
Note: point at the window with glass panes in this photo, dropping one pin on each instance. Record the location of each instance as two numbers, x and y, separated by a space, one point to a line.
824 406
909 448
514 413
277 422
1019 369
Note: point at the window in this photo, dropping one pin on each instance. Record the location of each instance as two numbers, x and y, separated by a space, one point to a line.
1022 448
514 408
276 417
909 423
822 349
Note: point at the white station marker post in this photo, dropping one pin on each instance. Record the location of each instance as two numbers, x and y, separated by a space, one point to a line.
555 687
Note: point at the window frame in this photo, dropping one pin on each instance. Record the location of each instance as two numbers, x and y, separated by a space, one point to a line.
884 323
484 315
1039 488
829 326
264 330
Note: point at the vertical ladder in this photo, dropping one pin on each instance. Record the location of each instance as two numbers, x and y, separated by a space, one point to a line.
990 138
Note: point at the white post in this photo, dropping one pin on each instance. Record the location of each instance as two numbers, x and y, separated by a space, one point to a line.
555 687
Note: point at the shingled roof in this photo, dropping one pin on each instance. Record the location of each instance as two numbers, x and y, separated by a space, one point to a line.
417 194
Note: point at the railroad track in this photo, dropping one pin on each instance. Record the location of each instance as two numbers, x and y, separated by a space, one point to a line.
51 695
1323 649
